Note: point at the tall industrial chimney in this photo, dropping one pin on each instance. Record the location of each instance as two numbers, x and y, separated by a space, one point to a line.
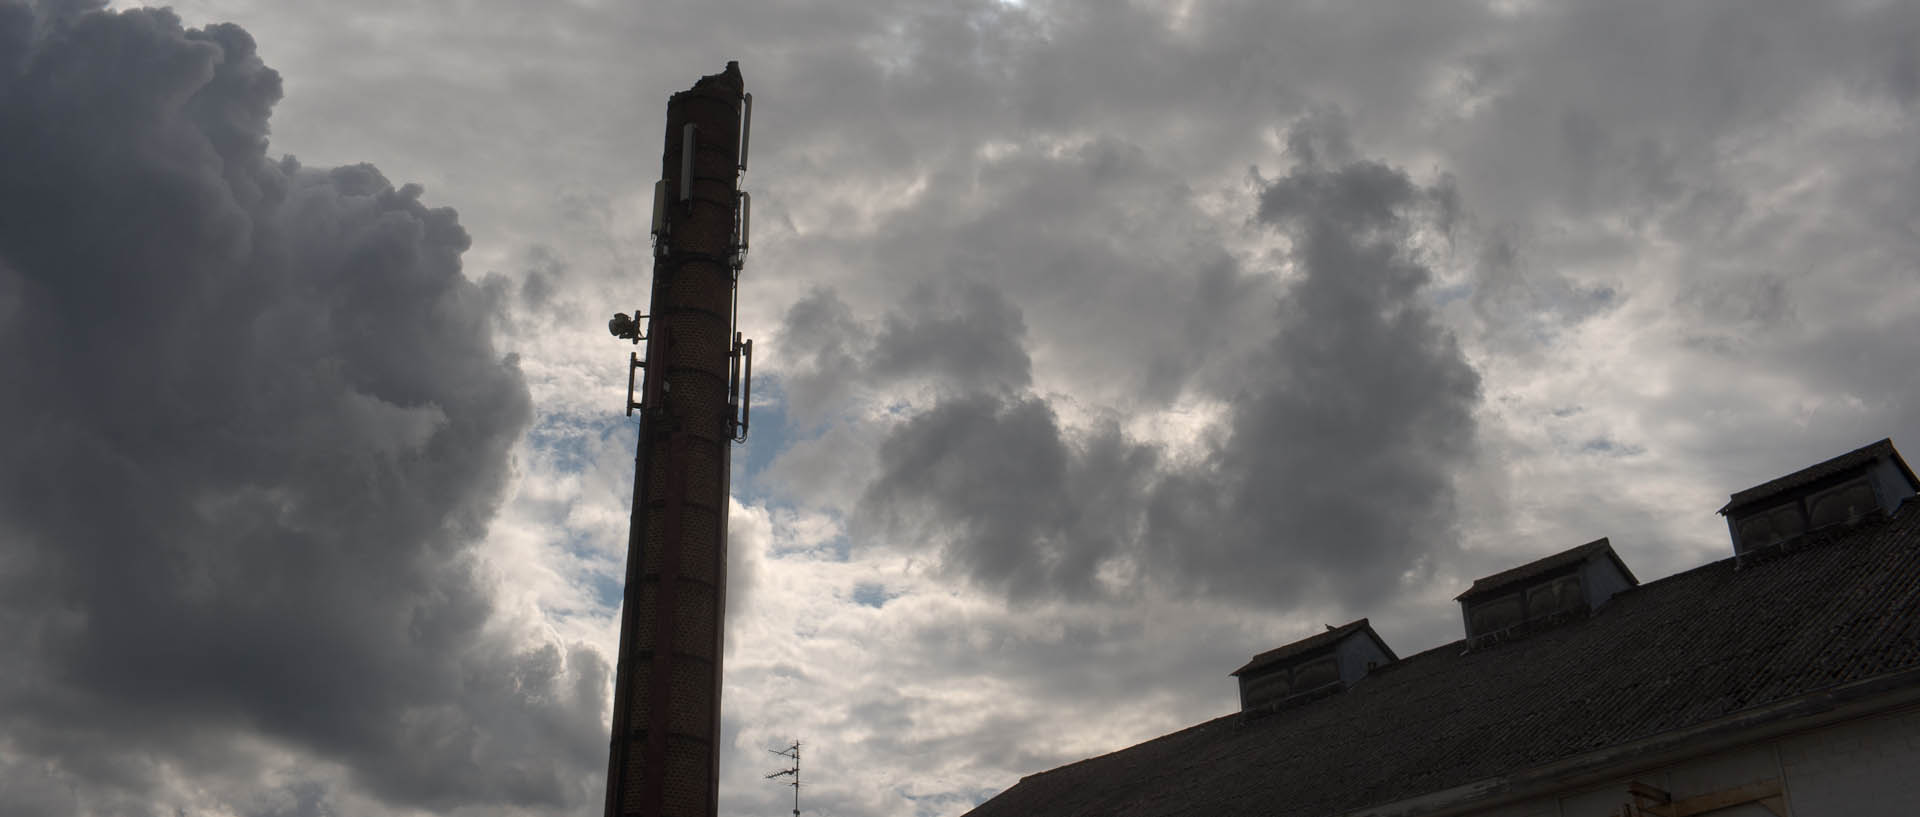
665 753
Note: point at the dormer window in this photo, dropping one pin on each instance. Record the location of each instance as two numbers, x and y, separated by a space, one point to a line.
1311 667
1547 598
1840 490
1773 525
1497 614
1544 591
1558 596
1842 504
1316 674
1265 686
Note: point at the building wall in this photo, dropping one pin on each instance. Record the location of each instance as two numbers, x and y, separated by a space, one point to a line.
1862 768
1601 579
1890 486
1354 652
1865 768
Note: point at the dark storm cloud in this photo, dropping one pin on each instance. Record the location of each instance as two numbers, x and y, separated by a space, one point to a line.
258 423
1353 419
968 469
974 344
1011 500
1329 478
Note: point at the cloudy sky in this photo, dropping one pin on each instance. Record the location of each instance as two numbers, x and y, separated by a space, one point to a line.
1101 345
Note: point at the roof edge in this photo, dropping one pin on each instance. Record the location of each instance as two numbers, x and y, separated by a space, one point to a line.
1864 698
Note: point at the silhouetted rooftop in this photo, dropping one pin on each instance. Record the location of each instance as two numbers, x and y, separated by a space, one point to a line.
1827 609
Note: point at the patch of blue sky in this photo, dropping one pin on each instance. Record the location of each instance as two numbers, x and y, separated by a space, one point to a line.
872 594
770 435
839 547
598 594
607 590
1605 445
578 544
767 436
591 567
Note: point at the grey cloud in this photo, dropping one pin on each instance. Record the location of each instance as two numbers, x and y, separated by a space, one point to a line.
259 425
959 339
1321 137
1520 304
1010 502
975 344
959 336
1100 239
1756 302
1329 481
1620 108
1349 426
822 342
545 274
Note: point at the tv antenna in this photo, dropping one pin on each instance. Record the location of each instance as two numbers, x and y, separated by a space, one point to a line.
791 753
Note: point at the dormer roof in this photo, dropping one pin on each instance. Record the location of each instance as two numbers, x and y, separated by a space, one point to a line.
1856 459
1507 579
1869 479
1280 655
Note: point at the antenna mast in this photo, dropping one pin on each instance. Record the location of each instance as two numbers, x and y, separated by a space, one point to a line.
664 756
792 752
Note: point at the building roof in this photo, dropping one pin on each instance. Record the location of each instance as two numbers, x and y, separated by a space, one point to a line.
1814 473
1826 609
1305 645
1539 567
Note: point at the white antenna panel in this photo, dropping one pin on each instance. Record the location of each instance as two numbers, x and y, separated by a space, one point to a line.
746 128
659 208
746 218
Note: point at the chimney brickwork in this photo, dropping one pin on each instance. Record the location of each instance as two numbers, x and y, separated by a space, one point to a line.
664 758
